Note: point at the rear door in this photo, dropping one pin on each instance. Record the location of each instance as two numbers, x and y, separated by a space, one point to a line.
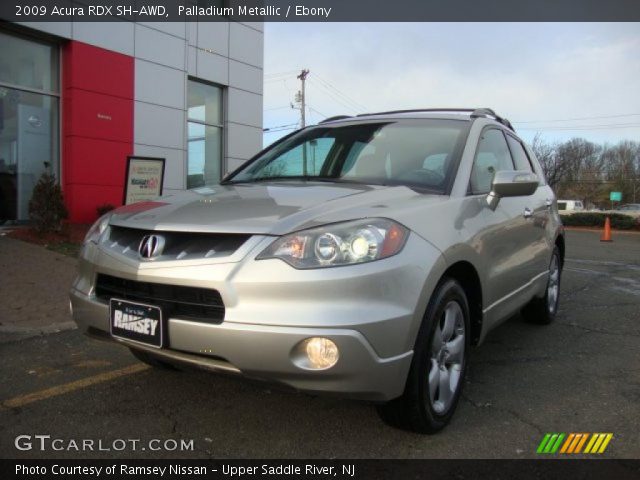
539 207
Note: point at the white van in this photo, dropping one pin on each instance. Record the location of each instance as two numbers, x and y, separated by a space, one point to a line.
570 205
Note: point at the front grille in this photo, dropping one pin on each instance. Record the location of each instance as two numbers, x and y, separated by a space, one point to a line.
189 303
178 245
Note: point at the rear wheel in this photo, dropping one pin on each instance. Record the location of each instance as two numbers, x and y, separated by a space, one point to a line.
438 367
543 310
149 359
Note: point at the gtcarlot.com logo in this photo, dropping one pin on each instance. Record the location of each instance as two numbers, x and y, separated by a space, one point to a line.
573 443
45 443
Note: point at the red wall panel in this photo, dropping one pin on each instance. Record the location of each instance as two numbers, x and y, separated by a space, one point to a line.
98 70
96 162
97 127
95 115
85 199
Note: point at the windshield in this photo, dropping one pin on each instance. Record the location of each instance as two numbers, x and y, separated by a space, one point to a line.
420 153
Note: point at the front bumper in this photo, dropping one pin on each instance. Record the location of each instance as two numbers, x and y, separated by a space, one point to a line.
370 311
264 352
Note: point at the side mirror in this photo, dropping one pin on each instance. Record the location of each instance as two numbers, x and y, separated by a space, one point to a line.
511 183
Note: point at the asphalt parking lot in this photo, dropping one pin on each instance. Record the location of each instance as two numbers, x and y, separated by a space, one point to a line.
580 374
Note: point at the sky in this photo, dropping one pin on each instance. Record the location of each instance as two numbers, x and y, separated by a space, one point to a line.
561 80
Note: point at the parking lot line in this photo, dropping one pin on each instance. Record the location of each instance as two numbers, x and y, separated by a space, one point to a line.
22 400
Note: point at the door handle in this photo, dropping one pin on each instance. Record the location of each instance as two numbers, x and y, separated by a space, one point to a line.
527 212
548 203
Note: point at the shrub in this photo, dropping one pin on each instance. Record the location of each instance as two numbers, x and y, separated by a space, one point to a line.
46 207
595 219
104 208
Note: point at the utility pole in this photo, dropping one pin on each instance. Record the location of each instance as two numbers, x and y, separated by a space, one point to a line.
300 97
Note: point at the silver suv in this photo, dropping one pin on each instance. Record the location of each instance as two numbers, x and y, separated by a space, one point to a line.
362 256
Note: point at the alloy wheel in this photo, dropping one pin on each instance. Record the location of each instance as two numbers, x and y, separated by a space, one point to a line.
447 357
554 284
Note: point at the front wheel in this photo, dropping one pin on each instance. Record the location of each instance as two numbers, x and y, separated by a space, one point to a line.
438 367
543 310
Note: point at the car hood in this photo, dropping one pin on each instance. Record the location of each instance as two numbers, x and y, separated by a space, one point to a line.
269 209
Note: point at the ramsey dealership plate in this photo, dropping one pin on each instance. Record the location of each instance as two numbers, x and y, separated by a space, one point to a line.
136 321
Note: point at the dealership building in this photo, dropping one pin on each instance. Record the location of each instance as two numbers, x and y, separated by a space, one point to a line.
79 98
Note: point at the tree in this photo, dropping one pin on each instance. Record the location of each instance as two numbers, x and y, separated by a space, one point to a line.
554 171
622 169
584 175
46 207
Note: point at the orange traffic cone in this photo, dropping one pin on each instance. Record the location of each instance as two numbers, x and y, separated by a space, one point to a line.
606 233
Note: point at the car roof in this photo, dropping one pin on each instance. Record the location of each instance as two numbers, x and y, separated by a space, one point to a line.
464 114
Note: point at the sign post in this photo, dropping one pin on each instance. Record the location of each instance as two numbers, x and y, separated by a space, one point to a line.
143 179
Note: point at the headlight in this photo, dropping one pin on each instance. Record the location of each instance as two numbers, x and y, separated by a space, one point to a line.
97 229
339 244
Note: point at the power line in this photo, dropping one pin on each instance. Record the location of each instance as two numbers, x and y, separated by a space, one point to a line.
280 74
269 129
337 99
580 118
338 91
277 108
281 130
345 102
276 79
612 126
317 111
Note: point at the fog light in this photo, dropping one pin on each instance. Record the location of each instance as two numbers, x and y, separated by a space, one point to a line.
321 353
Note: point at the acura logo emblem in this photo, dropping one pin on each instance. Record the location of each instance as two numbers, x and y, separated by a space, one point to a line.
151 247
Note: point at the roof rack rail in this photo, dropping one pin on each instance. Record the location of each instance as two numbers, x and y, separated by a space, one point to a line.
489 113
475 113
336 117
417 110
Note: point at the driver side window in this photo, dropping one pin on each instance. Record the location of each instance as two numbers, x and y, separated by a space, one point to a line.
492 156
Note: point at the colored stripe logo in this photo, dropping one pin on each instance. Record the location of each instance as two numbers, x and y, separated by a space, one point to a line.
593 443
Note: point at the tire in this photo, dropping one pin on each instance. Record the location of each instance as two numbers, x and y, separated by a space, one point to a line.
149 359
543 310
425 407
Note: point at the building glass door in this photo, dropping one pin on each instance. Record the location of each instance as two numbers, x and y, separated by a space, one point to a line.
29 113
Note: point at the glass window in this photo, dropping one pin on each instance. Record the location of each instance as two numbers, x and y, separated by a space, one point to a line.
492 156
520 157
28 63
205 103
28 147
204 129
415 153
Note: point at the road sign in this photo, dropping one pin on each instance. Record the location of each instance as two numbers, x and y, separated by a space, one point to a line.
615 196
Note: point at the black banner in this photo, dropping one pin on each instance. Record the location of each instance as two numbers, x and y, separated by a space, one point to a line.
318 469
321 10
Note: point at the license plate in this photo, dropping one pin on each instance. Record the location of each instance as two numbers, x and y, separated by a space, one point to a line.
136 321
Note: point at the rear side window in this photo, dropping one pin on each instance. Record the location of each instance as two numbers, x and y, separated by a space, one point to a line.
520 157
492 156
